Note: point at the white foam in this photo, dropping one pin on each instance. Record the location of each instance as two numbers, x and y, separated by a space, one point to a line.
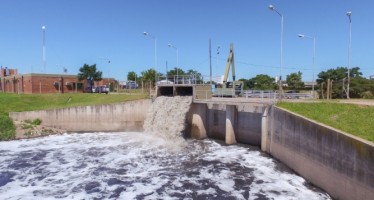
137 165
167 117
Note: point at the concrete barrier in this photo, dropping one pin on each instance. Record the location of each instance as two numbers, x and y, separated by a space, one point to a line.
231 122
127 116
339 163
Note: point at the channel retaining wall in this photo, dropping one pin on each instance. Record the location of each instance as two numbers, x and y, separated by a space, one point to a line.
127 116
339 163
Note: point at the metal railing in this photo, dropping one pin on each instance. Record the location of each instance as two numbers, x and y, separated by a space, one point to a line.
180 79
255 95
275 94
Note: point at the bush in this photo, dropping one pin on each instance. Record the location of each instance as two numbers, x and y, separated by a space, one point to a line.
367 95
36 121
7 128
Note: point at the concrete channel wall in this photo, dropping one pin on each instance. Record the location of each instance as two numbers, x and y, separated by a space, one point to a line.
238 122
339 163
128 116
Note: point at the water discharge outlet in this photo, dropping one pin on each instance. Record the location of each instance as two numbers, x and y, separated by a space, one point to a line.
175 90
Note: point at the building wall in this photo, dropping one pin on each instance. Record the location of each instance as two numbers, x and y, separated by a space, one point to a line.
39 84
7 72
44 83
50 84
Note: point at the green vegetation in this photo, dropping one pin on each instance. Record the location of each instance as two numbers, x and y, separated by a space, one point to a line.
260 82
357 120
294 81
7 128
28 102
34 122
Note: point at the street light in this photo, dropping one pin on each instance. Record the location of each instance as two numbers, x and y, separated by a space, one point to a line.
349 13
170 45
314 56
272 8
44 58
155 39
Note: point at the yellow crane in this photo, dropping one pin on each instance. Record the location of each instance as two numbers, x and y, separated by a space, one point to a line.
230 88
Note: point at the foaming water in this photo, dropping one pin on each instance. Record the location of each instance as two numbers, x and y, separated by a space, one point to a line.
140 166
167 117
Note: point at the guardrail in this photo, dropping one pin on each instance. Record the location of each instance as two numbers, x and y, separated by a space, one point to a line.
180 79
260 95
275 94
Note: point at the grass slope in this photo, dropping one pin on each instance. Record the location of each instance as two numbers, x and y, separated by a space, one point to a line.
29 102
357 120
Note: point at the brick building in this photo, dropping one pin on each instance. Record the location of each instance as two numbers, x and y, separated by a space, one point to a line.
12 82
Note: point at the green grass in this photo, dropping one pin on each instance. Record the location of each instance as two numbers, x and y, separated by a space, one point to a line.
357 120
29 102
7 129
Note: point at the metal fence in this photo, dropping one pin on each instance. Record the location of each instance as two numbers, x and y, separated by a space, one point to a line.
270 94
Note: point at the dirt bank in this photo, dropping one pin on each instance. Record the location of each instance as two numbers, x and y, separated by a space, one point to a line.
28 130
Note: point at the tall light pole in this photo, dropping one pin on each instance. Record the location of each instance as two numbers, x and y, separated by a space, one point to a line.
314 56
170 45
155 67
272 8
44 57
349 14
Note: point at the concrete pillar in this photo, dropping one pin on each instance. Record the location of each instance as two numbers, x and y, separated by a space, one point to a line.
230 124
198 122
264 130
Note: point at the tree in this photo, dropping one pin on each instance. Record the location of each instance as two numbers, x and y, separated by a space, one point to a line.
131 76
175 70
361 87
247 83
149 75
294 81
338 74
196 75
90 73
262 82
339 78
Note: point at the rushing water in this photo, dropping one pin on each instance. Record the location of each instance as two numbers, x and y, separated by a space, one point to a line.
141 166
167 116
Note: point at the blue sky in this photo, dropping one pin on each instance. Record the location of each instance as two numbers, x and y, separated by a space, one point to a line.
94 31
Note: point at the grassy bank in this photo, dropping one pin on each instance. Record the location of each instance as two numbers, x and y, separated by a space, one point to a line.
28 102
357 120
